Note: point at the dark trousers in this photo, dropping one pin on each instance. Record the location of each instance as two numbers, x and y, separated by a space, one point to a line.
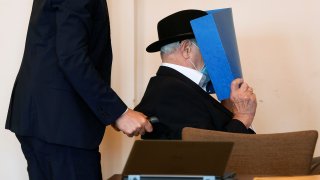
56 162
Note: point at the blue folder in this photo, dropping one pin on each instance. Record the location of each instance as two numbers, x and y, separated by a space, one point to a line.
216 38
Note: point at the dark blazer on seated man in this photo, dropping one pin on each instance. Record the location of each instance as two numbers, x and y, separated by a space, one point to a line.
177 96
178 102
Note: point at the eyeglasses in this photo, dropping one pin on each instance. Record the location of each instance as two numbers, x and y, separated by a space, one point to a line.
194 43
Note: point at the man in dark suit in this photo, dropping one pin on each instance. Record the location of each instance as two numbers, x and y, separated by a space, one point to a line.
62 100
177 94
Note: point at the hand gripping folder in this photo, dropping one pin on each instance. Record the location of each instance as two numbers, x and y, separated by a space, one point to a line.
216 38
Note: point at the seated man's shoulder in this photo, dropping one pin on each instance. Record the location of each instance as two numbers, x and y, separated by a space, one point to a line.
167 83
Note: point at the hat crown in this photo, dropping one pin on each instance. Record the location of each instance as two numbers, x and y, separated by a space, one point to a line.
178 23
175 27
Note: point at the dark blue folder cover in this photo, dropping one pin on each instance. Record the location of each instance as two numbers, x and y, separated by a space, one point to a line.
216 38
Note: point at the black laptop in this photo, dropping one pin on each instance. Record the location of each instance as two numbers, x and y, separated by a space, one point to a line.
177 160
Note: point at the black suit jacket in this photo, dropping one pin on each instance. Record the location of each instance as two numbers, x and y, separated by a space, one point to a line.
62 92
179 102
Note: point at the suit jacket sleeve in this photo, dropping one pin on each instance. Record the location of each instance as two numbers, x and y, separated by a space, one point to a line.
237 126
73 26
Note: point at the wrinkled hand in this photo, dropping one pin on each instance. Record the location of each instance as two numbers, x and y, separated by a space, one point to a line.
133 123
244 102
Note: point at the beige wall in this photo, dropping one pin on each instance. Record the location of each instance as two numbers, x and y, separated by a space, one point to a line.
116 146
278 43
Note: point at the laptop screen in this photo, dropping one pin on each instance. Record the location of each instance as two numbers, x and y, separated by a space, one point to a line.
175 157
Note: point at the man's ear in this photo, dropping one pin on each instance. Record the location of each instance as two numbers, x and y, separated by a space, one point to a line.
185 49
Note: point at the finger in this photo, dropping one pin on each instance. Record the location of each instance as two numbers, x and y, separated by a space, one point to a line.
138 128
253 98
247 94
142 131
244 87
148 127
235 84
137 133
129 135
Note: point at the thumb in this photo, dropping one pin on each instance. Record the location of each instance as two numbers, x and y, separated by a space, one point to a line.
235 84
148 127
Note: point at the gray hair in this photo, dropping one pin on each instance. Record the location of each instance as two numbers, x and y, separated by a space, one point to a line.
170 48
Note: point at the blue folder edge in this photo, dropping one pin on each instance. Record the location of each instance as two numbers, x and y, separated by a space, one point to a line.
216 38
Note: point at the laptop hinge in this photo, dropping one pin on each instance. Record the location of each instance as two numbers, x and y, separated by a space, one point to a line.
209 178
133 177
157 177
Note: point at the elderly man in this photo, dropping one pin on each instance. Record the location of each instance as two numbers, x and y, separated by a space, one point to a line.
177 94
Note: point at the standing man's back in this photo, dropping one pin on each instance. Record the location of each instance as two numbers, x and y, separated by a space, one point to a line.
65 54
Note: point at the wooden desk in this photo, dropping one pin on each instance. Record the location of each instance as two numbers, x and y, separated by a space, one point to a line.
238 177
252 177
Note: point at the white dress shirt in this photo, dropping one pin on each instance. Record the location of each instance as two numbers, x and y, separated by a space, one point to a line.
194 75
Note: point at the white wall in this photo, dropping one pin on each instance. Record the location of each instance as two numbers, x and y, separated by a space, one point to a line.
14 16
279 48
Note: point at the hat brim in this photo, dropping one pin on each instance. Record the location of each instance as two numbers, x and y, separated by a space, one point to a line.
156 46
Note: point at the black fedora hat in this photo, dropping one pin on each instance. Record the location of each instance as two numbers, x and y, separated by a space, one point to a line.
175 27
